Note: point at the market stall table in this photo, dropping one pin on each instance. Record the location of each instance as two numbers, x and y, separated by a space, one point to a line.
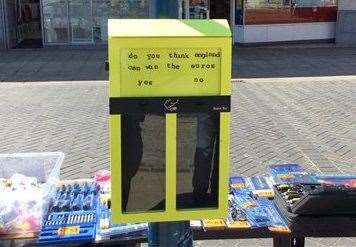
294 239
251 213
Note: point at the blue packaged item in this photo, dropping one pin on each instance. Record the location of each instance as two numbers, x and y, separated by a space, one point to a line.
264 214
124 231
290 174
88 202
243 202
77 203
285 168
236 217
261 186
237 182
105 229
68 227
277 222
72 217
257 214
259 183
238 185
242 197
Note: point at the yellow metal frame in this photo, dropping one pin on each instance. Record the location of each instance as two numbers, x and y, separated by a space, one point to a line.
171 213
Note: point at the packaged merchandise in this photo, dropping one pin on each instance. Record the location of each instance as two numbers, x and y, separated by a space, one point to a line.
264 214
261 186
236 217
105 229
277 221
125 231
237 182
289 173
20 204
248 210
26 181
72 214
317 199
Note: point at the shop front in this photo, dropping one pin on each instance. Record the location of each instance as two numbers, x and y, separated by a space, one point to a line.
79 22
265 21
252 21
35 23
85 22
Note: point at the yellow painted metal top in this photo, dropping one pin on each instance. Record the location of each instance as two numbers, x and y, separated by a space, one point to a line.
168 28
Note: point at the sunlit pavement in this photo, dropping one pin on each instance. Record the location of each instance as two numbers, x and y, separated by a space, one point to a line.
61 104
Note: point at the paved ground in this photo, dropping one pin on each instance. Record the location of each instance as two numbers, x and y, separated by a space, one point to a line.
294 61
87 65
311 121
52 65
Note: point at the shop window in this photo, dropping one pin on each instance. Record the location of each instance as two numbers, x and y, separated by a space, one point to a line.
239 12
55 21
289 11
78 21
81 21
197 160
198 9
106 9
143 162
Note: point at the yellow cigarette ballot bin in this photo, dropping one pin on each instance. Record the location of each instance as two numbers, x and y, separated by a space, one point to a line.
169 119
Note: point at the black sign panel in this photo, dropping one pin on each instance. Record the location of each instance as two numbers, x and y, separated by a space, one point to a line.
143 162
197 160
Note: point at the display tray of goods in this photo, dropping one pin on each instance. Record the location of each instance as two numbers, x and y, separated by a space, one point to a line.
26 183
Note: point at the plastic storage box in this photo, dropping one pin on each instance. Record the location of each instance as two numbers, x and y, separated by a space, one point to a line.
26 182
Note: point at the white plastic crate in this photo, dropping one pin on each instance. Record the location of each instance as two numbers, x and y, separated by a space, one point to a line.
26 183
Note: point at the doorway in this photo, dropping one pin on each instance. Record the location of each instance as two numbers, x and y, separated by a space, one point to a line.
220 9
28 24
81 21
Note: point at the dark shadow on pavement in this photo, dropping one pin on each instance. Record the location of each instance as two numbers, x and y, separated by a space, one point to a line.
293 61
88 64
25 65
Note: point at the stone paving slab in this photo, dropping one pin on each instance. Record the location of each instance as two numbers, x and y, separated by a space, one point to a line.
294 120
57 117
25 65
53 65
293 61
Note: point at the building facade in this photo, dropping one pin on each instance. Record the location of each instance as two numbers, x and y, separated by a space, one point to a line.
266 21
37 23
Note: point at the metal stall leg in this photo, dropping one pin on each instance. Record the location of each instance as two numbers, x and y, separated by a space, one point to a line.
288 241
170 234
